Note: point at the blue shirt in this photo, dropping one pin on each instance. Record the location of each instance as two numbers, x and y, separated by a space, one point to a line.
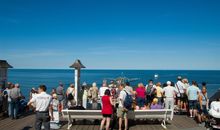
192 92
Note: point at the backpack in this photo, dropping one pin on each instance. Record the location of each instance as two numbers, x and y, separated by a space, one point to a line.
128 101
149 90
70 96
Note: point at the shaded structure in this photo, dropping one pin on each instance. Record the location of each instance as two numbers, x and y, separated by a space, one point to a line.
215 96
4 73
77 65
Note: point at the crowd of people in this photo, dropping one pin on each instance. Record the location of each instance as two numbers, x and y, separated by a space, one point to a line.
12 102
116 96
179 96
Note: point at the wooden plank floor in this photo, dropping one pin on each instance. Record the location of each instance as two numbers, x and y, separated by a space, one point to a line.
27 123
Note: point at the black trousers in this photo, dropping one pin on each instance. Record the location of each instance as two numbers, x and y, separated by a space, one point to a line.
42 118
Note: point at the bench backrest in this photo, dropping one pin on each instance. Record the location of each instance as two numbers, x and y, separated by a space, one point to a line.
152 114
82 114
137 114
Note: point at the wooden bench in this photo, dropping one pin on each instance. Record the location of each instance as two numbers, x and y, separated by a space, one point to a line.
80 114
162 114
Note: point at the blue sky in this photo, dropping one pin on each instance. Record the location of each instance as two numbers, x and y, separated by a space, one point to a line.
111 34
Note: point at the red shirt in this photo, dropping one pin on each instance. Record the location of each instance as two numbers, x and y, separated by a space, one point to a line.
140 92
106 105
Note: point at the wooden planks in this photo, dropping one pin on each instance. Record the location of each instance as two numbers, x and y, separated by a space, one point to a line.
27 123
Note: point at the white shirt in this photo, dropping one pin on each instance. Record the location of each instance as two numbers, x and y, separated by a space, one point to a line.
85 94
180 87
8 93
121 98
55 104
129 90
169 91
102 91
154 86
70 90
42 100
215 109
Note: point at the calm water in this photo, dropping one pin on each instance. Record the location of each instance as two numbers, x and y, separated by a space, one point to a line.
29 78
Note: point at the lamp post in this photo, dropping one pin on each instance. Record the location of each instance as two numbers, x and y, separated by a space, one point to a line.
4 72
77 65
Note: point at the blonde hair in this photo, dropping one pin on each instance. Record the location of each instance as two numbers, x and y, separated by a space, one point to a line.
140 85
158 84
155 101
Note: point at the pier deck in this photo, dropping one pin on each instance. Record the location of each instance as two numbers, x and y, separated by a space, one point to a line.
180 122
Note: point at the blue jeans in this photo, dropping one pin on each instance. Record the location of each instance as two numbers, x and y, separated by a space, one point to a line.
9 109
140 101
14 107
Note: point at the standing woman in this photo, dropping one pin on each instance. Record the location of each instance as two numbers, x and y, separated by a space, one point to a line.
159 93
85 96
203 104
140 96
106 109
70 93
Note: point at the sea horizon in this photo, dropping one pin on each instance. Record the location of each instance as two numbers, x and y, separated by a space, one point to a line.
29 78
115 69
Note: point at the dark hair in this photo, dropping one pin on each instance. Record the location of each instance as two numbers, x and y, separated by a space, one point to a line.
107 92
172 84
164 85
43 87
127 83
203 83
194 83
151 80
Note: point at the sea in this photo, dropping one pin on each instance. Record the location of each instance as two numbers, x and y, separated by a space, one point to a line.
32 78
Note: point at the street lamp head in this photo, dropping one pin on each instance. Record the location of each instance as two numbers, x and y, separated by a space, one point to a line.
77 64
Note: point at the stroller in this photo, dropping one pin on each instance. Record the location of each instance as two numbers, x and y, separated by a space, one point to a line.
213 121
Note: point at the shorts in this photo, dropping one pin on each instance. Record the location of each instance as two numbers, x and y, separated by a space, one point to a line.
203 111
183 97
193 104
107 115
121 113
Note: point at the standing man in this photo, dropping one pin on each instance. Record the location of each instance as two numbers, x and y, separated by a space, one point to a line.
170 94
61 95
122 112
15 94
181 95
43 104
102 90
150 91
193 94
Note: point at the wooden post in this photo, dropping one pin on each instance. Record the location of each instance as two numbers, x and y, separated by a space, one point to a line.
77 65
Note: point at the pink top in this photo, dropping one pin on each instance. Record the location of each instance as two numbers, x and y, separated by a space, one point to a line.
140 92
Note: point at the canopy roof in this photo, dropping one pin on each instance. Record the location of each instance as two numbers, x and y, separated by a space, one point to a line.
4 64
77 64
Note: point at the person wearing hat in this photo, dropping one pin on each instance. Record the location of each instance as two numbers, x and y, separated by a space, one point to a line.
181 95
169 94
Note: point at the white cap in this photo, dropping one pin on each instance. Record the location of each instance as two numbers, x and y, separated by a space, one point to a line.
94 84
168 83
